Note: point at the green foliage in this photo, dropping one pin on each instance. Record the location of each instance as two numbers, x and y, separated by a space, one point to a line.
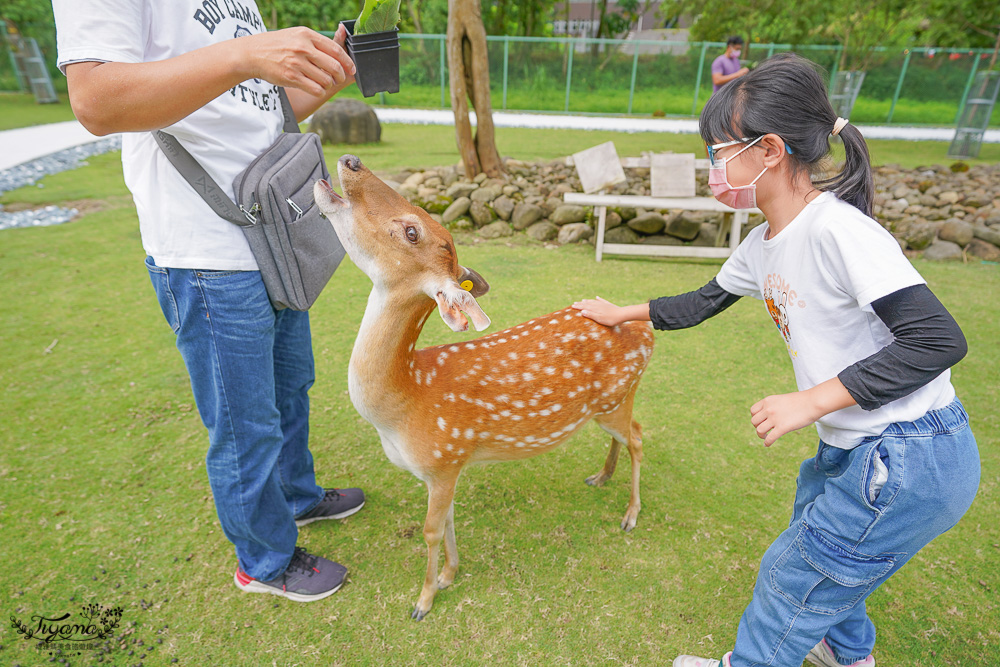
377 16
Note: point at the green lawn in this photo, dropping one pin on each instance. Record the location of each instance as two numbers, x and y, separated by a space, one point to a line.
21 110
104 499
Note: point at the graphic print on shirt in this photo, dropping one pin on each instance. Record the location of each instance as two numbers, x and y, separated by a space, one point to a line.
781 299
211 14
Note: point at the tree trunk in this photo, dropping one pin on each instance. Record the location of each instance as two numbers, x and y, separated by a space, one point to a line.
469 78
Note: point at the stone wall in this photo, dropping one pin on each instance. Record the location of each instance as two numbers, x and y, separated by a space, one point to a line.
941 213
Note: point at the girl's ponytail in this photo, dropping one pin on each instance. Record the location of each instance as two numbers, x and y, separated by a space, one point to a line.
855 183
786 96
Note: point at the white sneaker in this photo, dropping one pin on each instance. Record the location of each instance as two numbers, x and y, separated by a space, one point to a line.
822 655
694 661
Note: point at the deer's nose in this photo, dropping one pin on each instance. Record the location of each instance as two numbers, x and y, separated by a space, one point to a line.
352 162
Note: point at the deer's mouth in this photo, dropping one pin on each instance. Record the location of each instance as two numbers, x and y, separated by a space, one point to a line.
326 197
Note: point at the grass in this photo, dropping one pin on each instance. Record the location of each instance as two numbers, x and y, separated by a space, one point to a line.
105 500
21 110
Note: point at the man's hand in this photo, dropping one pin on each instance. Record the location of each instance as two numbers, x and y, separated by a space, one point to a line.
777 415
299 58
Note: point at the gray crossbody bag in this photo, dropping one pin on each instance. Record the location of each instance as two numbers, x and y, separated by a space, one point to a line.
296 248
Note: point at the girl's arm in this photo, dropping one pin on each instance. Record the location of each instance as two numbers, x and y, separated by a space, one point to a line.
666 313
927 341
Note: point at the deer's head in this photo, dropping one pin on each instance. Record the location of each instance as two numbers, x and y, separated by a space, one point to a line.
399 246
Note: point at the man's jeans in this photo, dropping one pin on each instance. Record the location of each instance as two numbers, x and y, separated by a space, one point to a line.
845 538
251 368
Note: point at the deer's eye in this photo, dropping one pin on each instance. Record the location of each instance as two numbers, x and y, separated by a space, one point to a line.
411 234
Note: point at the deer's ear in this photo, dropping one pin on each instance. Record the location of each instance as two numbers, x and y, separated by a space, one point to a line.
452 300
472 282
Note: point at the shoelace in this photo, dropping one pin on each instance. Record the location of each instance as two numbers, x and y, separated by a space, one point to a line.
333 492
302 561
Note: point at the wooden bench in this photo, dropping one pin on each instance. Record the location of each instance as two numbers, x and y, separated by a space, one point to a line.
601 202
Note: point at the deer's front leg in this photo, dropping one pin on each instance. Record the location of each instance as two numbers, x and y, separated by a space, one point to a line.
440 496
450 550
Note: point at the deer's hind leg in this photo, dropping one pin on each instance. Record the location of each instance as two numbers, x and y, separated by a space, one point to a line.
624 430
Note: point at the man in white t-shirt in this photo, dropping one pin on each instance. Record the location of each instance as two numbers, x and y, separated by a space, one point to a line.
207 72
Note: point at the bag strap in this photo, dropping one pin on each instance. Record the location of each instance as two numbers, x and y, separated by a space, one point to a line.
205 185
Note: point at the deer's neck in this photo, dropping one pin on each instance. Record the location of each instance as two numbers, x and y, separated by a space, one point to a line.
381 378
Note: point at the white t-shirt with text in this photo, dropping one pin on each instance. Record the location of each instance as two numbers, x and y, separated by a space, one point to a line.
178 229
818 278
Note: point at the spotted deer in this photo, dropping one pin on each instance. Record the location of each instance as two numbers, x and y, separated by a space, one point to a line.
509 395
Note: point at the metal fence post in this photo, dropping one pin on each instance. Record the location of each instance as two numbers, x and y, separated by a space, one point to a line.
635 66
899 85
968 86
569 71
441 51
697 81
506 58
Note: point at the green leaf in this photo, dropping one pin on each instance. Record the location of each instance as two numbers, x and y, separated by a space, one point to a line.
377 16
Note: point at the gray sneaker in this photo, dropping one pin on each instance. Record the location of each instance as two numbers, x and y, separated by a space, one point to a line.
336 504
306 579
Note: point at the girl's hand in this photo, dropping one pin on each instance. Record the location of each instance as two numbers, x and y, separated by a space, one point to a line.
298 58
601 311
777 415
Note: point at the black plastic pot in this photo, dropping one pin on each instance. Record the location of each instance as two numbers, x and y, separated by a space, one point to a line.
376 59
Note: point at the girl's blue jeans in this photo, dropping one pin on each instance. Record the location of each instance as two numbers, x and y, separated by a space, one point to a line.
251 368
845 539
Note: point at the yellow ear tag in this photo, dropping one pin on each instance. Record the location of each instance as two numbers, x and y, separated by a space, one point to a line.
466 285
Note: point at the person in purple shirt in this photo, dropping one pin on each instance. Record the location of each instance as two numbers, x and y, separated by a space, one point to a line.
727 67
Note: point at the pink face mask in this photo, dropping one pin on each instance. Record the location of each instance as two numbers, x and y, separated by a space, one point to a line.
740 196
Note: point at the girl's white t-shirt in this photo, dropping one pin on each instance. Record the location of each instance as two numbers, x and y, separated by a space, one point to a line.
818 278
178 229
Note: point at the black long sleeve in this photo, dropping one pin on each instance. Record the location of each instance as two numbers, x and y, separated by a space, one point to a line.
927 342
691 308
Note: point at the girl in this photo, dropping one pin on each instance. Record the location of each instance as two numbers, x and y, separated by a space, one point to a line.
871 348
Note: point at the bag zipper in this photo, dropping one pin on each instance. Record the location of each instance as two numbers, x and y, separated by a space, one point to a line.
295 207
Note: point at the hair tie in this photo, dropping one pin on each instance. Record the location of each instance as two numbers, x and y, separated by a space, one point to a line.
839 125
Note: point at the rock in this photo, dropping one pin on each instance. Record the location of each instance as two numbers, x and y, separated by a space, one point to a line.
550 205
707 233
480 177
626 212
611 220
434 204
622 234
458 208
575 231
346 121
944 251
949 197
525 215
503 206
567 213
496 230
415 180
485 194
987 234
956 231
461 189
920 235
480 213
437 218
983 250
682 227
463 223
648 223
543 231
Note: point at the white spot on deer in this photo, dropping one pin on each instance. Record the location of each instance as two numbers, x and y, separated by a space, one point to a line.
556 407
598 356
419 376
503 398
484 435
567 374
470 346
527 377
512 355
533 402
531 355
545 391
453 348
449 446
502 340
536 327
545 413
519 444
449 397
437 454
553 321
461 451
541 345
441 422
469 434
516 418
607 343
597 384
574 362
518 404
505 413
568 316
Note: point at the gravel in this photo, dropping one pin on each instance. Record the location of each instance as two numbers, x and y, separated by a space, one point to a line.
29 173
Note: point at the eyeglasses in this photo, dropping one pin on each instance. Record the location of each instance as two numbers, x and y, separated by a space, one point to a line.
716 147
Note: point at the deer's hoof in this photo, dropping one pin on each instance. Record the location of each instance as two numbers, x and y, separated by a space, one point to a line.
596 480
418 614
628 523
